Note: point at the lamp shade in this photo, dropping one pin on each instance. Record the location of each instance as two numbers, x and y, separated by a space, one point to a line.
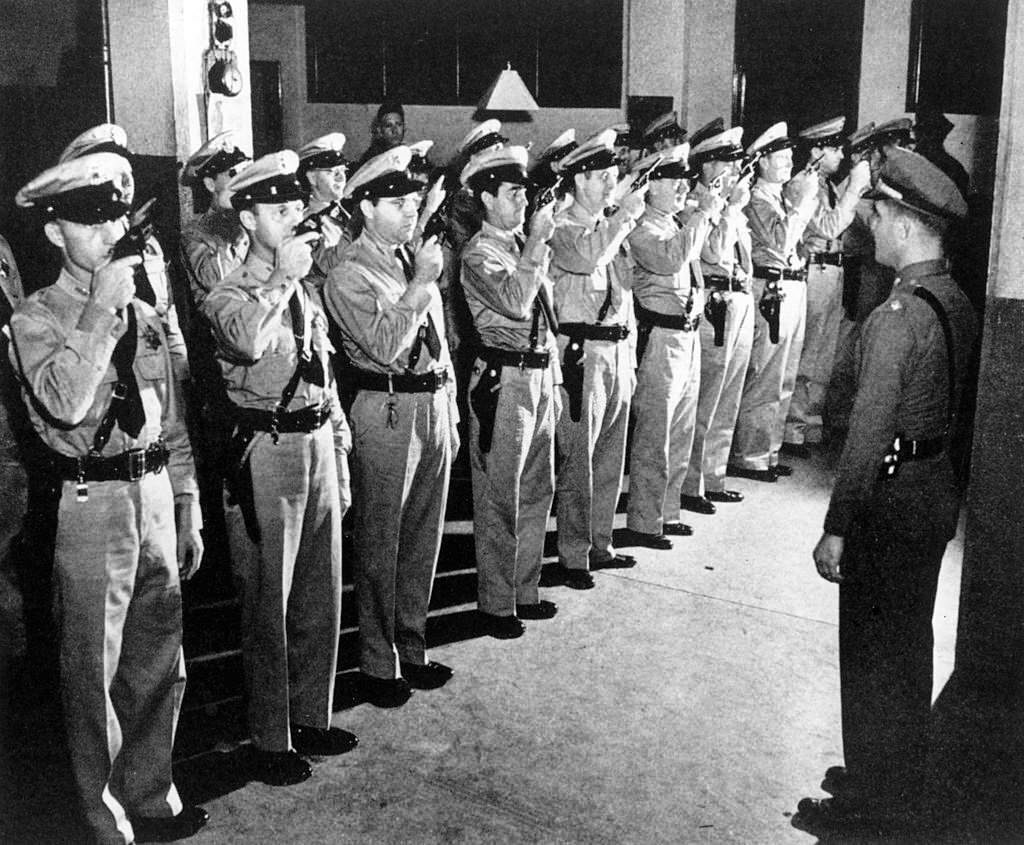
508 93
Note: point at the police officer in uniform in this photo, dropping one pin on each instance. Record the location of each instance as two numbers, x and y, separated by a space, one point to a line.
512 399
289 485
324 169
724 348
821 247
668 301
894 505
779 210
663 133
593 308
99 385
386 302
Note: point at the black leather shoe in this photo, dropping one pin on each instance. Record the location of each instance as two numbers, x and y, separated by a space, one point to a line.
280 768
697 504
386 692
541 610
724 495
501 627
578 579
753 474
642 538
677 529
322 742
782 470
429 675
171 828
796 450
616 561
840 813
836 780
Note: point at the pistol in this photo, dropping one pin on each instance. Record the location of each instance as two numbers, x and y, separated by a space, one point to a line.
439 224
547 195
134 242
770 307
715 310
814 166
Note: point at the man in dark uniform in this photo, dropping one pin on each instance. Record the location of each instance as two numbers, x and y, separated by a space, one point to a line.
97 378
894 506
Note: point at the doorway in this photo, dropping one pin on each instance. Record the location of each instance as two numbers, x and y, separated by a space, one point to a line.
798 61
267 108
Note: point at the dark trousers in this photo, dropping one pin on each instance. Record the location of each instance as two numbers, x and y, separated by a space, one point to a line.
891 565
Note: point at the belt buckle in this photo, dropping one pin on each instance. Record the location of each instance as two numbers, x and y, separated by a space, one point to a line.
438 378
136 464
623 332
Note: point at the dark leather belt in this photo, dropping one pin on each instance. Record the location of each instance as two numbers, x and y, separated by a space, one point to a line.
428 382
497 357
679 322
725 283
589 331
773 274
832 259
918 450
126 466
302 421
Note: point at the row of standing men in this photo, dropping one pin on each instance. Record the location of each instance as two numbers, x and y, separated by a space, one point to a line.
298 272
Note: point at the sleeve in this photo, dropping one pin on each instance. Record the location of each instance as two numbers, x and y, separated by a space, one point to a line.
244 320
780 232
203 266
887 350
832 222
380 329
720 244
577 249
663 254
64 369
510 292
181 468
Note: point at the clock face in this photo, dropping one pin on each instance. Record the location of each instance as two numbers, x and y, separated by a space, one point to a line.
225 77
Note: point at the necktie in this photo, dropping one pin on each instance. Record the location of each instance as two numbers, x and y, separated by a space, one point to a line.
428 331
312 367
143 286
831 193
131 416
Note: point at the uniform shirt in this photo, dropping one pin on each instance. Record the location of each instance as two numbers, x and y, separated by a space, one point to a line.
62 345
380 313
775 226
13 292
585 261
902 385
156 270
727 248
325 258
211 247
662 250
833 216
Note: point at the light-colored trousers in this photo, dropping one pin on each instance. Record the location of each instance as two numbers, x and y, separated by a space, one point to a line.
513 485
290 585
401 463
117 602
771 376
664 413
821 335
592 452
723 370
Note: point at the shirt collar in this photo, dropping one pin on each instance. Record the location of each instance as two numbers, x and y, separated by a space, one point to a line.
920 269
69 284
505 236
258 268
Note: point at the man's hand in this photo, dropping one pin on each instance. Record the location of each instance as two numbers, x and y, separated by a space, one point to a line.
542 224
113 285
429 262
739 196
330 232
802 189
344 482
633 203
827 555
190 542
860 178
711 205
294 256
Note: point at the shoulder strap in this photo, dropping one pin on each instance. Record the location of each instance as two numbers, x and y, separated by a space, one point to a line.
933 302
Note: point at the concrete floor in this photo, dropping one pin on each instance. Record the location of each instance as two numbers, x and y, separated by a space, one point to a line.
694 698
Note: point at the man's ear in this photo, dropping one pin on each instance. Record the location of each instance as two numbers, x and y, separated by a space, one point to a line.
210 184
488 200
368 209
247 219
54 234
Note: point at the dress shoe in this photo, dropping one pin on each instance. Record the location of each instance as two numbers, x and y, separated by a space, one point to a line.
724 496
578 579
616 561
430 675
697 504
677 529
782 470
643 538
386 692
501 627
552 575
753 474
322 742
796 450
170 828
280 768
836 780
541 610
841 813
